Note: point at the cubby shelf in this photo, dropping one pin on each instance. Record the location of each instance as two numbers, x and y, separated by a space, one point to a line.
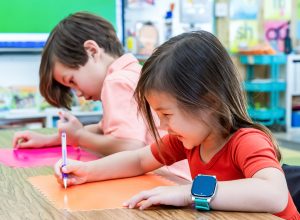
272 112
292 92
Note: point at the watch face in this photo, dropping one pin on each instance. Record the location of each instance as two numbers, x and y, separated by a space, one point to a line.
204 186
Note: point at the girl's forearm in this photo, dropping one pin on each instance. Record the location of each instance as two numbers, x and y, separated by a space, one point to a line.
119 165
106 144
53 139
251 194
94 128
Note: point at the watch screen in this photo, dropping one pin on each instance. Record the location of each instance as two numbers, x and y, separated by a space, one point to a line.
204 186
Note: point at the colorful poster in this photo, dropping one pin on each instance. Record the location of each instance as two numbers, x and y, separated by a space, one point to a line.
243 34
298 19
5 99
196 11
277 9
298 30
244 9
298 9
275 32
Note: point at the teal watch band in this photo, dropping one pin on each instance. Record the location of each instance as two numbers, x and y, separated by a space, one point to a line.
201 204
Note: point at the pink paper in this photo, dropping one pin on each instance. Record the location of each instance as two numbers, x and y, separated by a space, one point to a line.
41 156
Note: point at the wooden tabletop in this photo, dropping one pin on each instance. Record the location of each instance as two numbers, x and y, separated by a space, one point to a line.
19 200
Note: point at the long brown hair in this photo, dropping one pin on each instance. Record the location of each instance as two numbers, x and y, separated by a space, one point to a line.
197 71
65 45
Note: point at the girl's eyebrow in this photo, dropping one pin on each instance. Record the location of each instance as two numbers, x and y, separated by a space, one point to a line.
161 109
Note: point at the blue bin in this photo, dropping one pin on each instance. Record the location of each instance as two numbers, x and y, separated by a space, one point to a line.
296 119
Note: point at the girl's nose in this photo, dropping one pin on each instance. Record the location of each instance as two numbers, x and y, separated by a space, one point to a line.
163 125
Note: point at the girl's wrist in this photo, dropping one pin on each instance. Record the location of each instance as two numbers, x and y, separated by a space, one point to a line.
190 201
79 134
91 175
52 140
88 169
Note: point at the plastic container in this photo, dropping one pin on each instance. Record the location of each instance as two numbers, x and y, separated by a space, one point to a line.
296 119
263 59
168 25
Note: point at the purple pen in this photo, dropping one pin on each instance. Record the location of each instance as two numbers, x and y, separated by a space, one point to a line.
64 156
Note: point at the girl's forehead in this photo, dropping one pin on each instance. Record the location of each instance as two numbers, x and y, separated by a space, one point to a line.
60 71
155 94
160 100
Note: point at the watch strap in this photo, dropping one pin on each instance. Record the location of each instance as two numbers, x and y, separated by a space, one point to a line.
202 204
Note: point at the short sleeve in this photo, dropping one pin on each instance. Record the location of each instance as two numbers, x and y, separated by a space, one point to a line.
120 115
254 151
170 151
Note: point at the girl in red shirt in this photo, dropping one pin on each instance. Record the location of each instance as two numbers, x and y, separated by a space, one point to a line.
192 85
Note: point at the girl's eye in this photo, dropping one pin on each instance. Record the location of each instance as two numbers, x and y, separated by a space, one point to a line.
71 82
166 115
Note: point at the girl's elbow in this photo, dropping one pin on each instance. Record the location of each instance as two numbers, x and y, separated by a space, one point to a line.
279 201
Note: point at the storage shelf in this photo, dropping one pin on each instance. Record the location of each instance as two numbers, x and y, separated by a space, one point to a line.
273 86
48 117
267 116
264 86
293 89
263 59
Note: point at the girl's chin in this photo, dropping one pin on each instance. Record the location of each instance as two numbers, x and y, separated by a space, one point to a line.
187 145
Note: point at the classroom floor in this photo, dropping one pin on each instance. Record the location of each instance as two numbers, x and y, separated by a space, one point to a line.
290 147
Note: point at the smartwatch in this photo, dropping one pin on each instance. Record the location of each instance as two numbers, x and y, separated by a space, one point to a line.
203 190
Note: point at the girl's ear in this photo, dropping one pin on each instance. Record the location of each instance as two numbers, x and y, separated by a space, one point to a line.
92 49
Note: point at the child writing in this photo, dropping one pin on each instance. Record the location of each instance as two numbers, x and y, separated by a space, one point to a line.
84 54
193 86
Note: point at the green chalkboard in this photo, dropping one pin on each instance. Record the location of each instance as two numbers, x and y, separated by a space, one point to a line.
40 16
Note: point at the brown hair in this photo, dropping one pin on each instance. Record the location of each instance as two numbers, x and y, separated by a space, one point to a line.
197 71
65 45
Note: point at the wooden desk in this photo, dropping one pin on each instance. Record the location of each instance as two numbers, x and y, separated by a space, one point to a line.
19 200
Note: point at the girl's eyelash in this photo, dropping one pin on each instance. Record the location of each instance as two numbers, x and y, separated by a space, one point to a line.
71 81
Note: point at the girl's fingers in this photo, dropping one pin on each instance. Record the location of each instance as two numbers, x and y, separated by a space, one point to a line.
131 203
153 200
19 138
57 168
25 144
71 166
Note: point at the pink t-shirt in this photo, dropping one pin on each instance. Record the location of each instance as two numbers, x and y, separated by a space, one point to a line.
120 115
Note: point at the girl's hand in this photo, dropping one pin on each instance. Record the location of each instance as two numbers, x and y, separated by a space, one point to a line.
71 125
29 139
163 195
76 170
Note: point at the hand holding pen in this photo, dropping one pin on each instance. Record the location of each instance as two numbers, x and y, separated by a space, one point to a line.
64 149
64 156
71 125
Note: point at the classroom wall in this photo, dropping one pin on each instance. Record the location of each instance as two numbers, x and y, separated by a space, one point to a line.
23 68
223 23
19 69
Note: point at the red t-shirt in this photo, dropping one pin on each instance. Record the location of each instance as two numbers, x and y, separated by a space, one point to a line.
248 151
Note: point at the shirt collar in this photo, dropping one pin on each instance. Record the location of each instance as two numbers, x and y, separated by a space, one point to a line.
121 63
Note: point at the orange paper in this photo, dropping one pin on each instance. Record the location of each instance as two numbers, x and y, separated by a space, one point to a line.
107 194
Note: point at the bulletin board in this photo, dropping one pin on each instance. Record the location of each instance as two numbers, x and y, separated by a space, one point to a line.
40 16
